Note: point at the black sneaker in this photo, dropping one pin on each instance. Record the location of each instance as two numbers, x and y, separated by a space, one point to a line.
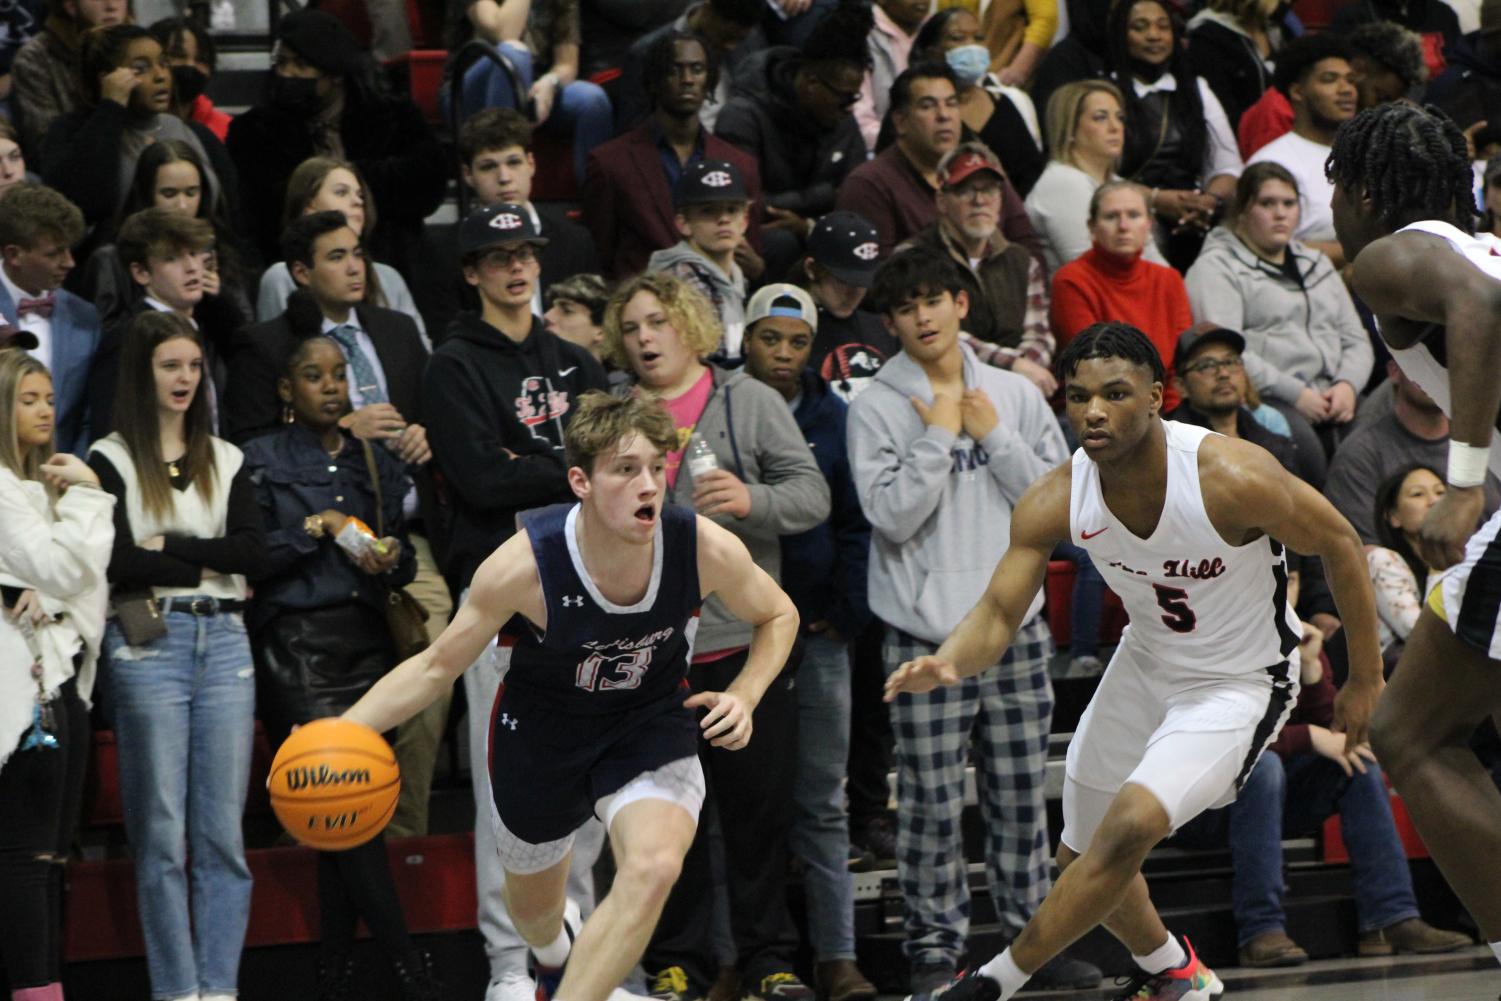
1064 973
971 985
782 986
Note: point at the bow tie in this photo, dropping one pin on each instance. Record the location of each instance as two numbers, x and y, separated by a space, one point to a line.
41 307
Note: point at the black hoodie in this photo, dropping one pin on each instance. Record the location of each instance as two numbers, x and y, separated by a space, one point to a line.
496 411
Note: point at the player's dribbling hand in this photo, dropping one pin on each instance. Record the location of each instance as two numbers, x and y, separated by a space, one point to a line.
1353 708
921 675
727 724
1448 525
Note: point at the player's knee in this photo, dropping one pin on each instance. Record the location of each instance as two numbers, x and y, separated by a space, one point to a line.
1133 826
652 872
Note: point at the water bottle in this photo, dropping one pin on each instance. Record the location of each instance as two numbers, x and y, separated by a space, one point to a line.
701 459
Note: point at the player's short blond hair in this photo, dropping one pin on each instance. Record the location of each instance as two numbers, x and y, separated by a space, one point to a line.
601 422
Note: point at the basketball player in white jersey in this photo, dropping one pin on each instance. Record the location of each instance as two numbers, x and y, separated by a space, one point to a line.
1403 211
1188 528
595 716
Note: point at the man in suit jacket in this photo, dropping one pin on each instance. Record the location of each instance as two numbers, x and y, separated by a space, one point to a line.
38 229
495 155
628 193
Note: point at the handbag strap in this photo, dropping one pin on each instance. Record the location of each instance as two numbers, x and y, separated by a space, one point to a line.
380 505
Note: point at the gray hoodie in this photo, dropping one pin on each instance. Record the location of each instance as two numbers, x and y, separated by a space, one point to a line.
1296 335
754 435
725 292
939 505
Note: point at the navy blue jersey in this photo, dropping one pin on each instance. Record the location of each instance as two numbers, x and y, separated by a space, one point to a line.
596 657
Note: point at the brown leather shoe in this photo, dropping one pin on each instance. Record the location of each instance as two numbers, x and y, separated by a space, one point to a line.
1272 948
1413 935
841 980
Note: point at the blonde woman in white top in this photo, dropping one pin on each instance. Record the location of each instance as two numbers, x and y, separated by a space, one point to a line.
55 536
1086 131
183 705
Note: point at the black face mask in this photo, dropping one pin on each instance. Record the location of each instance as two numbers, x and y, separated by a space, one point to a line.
188 83
294 95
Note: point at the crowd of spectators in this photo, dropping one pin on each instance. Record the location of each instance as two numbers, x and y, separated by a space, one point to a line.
841 241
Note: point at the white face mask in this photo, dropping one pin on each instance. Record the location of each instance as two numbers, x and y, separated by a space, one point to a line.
970 63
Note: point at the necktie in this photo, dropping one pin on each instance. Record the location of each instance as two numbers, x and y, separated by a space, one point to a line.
360 364
41 307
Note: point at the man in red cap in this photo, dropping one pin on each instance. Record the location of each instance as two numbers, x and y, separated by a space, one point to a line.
1008 311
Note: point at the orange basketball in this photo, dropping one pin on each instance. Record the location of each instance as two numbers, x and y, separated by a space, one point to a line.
334 784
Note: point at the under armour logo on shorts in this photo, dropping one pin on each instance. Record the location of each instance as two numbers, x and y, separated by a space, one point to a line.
506 220
718 179
507 720
867 251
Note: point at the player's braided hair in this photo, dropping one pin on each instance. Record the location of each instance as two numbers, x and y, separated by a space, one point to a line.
1110 339
1411 162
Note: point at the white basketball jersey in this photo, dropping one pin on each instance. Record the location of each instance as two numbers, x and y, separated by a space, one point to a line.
1196 602
1426 362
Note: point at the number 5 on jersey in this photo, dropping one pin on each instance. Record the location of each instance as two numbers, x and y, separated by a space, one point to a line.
1176 614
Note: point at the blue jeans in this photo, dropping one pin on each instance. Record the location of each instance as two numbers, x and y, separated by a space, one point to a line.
183 710
581 111
820 833
1087 604
1294 797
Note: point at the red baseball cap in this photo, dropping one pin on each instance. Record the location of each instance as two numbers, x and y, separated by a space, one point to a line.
964 164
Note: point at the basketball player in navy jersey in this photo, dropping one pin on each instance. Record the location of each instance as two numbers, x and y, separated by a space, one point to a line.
1403 211
1188 527
594 716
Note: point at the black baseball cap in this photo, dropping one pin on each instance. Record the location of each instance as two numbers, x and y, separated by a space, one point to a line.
1205 333
847 246
709 181
496 226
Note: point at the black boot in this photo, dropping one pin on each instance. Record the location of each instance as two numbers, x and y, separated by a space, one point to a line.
335 977
416 976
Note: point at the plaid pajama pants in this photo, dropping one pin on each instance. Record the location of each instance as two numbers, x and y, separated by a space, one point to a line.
1007 709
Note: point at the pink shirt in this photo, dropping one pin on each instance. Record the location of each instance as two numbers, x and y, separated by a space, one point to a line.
686 410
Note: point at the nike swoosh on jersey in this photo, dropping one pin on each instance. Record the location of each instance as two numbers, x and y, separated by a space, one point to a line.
562 372
1090 535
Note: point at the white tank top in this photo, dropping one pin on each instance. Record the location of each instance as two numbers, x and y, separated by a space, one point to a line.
1419 362
1196 603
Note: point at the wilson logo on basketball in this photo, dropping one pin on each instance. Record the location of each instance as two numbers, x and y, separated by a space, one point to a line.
717 179
317 778
506 220
867 251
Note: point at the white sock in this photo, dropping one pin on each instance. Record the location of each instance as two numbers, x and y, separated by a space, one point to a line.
1004 971
1496 948
555 954
1168 956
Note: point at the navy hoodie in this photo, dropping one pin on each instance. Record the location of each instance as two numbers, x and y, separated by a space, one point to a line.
823 569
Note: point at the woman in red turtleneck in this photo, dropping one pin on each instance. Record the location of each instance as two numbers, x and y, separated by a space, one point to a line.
1112 282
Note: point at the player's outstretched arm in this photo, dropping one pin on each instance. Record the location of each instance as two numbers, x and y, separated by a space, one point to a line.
1038 523
1408 285
1247 488
725 569
495 595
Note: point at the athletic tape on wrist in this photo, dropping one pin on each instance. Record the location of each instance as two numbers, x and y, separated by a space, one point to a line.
1467 464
